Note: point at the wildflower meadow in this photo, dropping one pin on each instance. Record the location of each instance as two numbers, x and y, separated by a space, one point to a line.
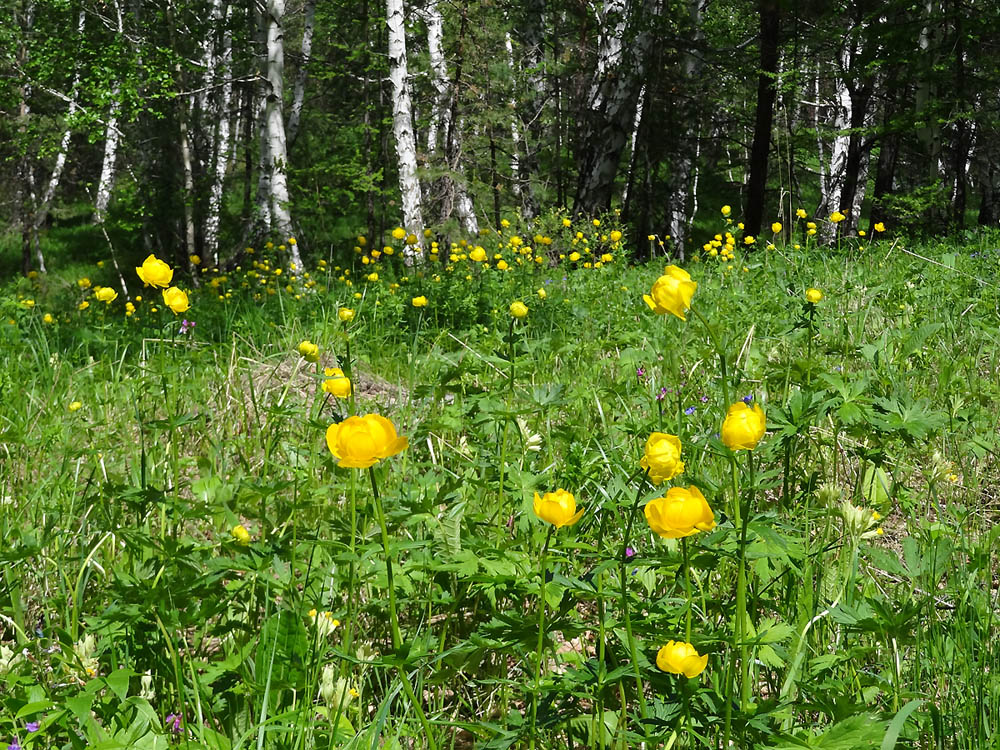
524 492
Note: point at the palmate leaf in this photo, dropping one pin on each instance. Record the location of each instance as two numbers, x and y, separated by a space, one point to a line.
907 418
861 732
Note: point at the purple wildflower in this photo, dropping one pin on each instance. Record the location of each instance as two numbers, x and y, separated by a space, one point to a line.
689 411
31 726
629 552
175 720
640 372
704 399
662 394
747 399
186 325
15 745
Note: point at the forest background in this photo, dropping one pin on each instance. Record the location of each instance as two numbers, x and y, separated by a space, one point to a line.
197 128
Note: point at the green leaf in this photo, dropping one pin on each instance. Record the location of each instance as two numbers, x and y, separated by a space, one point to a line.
896 725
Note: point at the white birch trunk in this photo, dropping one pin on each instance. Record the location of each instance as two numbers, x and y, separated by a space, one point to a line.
633 141
112 135
264 219
515 133
277 144
299 93
222 138
441 111
402 127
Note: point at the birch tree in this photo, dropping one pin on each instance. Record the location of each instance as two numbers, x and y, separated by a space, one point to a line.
402 125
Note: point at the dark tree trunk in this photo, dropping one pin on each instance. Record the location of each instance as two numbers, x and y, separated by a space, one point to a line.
856 151
885 172
766 94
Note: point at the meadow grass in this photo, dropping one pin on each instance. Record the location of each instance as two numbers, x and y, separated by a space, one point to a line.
184 562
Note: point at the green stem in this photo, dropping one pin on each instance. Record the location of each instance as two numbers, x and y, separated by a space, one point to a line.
718 350
541 639
623 574
397 639
736 645
687 590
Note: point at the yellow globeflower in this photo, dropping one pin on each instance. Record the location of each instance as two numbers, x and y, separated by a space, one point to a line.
519 310
801 213
880 227
682 512
743 427
574 256
83 305
106 294
566 222
678 657
240 534
671 293
399 233
776 227
420 301
615 235
309 351
662 457
48 318
557 508
411 239
542 294
337 384
84 283
726 210
154 272
837 217
813 295
75 406
360 442
176 300
345 314
478 254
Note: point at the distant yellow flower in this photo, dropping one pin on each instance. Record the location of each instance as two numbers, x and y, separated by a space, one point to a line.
615 235
372 276
345 314
682 512
557 508
420 301
662 457
75 406
129 309
176 300
801 213
337 384
671 293
478 254
678 657
360 442
411 239
154 272
574 256
596 222
519 310
749 239
399 233
83 283
83 305
743 427
502 265
813 295
195 260
837 217
106 294
566 222
776 227
811 232
542 294
726 210
309 351
48 319
29 303
880 227
292 241
240 534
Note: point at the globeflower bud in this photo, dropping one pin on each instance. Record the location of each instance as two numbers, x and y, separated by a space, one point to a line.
662 457
743 427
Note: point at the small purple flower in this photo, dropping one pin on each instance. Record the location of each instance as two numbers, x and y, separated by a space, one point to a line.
629 553
747 399
662 394
186 325
640 372
689 411
31 726
175 720
704 399
15 745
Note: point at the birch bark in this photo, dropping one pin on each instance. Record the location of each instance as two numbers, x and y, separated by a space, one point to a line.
222 134
402 128
299 92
